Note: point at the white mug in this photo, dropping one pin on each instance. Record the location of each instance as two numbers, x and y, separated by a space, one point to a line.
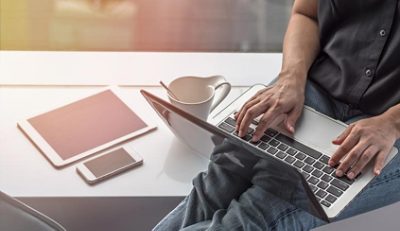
198 96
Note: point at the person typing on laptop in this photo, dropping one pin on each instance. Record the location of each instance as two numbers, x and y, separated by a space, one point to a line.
341 58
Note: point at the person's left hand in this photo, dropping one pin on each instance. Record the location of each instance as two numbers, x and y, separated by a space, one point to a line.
360 143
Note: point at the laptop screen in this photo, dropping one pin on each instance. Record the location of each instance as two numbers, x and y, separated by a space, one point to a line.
191 129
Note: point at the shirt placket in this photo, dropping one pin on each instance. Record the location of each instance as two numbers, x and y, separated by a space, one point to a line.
371 62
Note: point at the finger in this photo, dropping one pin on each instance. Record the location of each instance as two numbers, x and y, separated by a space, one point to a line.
252 113
348 144
264 123
351 158
364 159
246 106
255 96
243 106
292 118
343 136
380 161
243 112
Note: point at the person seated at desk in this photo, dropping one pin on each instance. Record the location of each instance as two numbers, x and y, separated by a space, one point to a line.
341 58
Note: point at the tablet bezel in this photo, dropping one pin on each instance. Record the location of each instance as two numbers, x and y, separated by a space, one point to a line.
52 156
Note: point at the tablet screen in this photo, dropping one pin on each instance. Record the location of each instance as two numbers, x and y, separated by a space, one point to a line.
86 124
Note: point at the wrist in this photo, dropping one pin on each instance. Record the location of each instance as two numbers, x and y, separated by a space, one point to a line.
293 78
393 116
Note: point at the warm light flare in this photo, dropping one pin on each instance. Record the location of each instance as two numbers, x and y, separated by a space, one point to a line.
144 25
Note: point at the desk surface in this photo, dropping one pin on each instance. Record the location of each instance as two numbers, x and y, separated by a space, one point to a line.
133 68
168 166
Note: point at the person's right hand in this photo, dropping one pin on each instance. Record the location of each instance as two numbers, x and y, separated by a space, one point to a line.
283 101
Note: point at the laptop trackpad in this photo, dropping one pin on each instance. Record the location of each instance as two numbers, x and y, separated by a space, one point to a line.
317 131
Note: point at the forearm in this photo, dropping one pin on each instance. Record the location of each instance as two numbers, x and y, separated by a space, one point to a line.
301 43
393 115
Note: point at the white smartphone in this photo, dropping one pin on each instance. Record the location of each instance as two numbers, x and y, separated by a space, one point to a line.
109 164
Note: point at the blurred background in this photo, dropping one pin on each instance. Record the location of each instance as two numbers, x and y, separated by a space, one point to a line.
144 25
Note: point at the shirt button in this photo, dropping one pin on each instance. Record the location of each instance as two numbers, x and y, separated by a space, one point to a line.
382 33
368 72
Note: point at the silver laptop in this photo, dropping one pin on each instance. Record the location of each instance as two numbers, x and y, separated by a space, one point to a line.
307 151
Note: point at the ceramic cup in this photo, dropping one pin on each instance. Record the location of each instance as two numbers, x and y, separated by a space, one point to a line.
199 96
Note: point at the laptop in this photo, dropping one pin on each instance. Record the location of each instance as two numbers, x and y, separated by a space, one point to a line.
307 151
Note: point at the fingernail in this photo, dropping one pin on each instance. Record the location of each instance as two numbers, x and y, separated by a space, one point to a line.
291 128
377 172
350 175
254 139
339 173
331 163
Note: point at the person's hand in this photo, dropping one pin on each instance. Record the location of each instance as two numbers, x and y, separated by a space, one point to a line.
360 143
282 101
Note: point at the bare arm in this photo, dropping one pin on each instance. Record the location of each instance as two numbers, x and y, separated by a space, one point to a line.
301 43
284 101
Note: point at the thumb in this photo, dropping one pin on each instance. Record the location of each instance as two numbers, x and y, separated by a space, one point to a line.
292 118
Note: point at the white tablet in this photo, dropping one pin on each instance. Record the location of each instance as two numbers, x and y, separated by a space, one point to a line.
84 127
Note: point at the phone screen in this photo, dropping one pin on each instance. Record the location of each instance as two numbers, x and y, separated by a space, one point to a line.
110 162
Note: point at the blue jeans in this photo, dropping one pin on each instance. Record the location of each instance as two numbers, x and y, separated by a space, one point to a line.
230 197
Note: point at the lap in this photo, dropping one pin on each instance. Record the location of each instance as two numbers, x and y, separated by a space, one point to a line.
242 192
248 213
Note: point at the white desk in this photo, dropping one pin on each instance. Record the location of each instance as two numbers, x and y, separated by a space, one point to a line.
169 165
133 68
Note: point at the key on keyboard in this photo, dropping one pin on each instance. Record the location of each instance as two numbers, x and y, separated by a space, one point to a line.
323 185
299 146
263 145
281 155
317 173
290 159
308 168
318 165
291 151
309 160
271 132
326 178
327 204
300 156
272 150
324 159
298 164
330 198
313 180
340 184
321 193
273 143
282 147
226 127
265 138
230 121
335 191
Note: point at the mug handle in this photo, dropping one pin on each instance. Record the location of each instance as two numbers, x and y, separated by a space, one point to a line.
225 88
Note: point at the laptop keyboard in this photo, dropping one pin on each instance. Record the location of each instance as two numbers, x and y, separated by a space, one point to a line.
312 164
